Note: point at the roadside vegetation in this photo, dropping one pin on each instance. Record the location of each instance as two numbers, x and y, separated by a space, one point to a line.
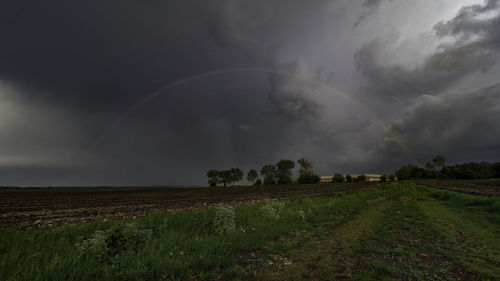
394 231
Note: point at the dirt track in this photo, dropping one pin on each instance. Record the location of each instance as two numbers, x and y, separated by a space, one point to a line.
38 207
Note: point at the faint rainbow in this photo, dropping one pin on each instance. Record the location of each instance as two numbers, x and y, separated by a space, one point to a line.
296 75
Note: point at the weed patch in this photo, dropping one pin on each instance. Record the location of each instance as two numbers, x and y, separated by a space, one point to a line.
225 220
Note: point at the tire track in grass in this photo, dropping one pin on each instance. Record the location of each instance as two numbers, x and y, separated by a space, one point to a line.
476 248
321 253
404 247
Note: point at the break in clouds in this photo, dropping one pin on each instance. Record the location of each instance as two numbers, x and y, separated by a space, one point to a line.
251 82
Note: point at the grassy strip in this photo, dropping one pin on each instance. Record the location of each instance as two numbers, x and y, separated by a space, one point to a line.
472 225
160 247
320 252
395 237
404 247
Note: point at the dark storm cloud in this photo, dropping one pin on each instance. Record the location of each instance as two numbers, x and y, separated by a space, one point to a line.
69 70
370 8
296 96
436 73
111 52
463 125
76 67
440 117
468 26
93 51
475 48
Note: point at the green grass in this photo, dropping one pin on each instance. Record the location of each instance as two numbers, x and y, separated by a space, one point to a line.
395 238
182 244
472 224
398 231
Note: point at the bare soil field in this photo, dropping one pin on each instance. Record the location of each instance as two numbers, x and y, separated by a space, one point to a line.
39 207
477 187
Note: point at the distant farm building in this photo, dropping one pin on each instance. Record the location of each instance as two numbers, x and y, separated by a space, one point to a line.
369 177
326 179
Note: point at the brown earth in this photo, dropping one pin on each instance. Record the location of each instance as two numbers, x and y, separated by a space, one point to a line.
39 207
477 187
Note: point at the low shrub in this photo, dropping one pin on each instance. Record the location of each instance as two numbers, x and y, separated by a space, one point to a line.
127 237
308 178
120 238
271 210
96 245
224 220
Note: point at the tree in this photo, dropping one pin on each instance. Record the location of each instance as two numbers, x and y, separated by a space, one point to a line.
410 172
306 175
236 175
429 166
432 169
213 177
252 175
439 161
496 170
284 171
392 178
348 178
225 177
269 174
383 178
305 166
471 170
405 172
258 182
338 178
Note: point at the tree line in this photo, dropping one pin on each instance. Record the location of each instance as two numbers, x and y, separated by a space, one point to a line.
437 169
279 173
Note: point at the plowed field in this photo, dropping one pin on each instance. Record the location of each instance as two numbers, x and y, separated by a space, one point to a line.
37 207
477 187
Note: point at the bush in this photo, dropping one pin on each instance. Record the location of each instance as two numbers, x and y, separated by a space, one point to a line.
309 178
258 182
224 221
127 238
121 238
271 210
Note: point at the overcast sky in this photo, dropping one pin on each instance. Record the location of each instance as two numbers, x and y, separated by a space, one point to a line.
151 92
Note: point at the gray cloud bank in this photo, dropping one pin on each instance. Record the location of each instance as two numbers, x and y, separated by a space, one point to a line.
68 70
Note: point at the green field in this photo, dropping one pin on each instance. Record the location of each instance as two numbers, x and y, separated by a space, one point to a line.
399 231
